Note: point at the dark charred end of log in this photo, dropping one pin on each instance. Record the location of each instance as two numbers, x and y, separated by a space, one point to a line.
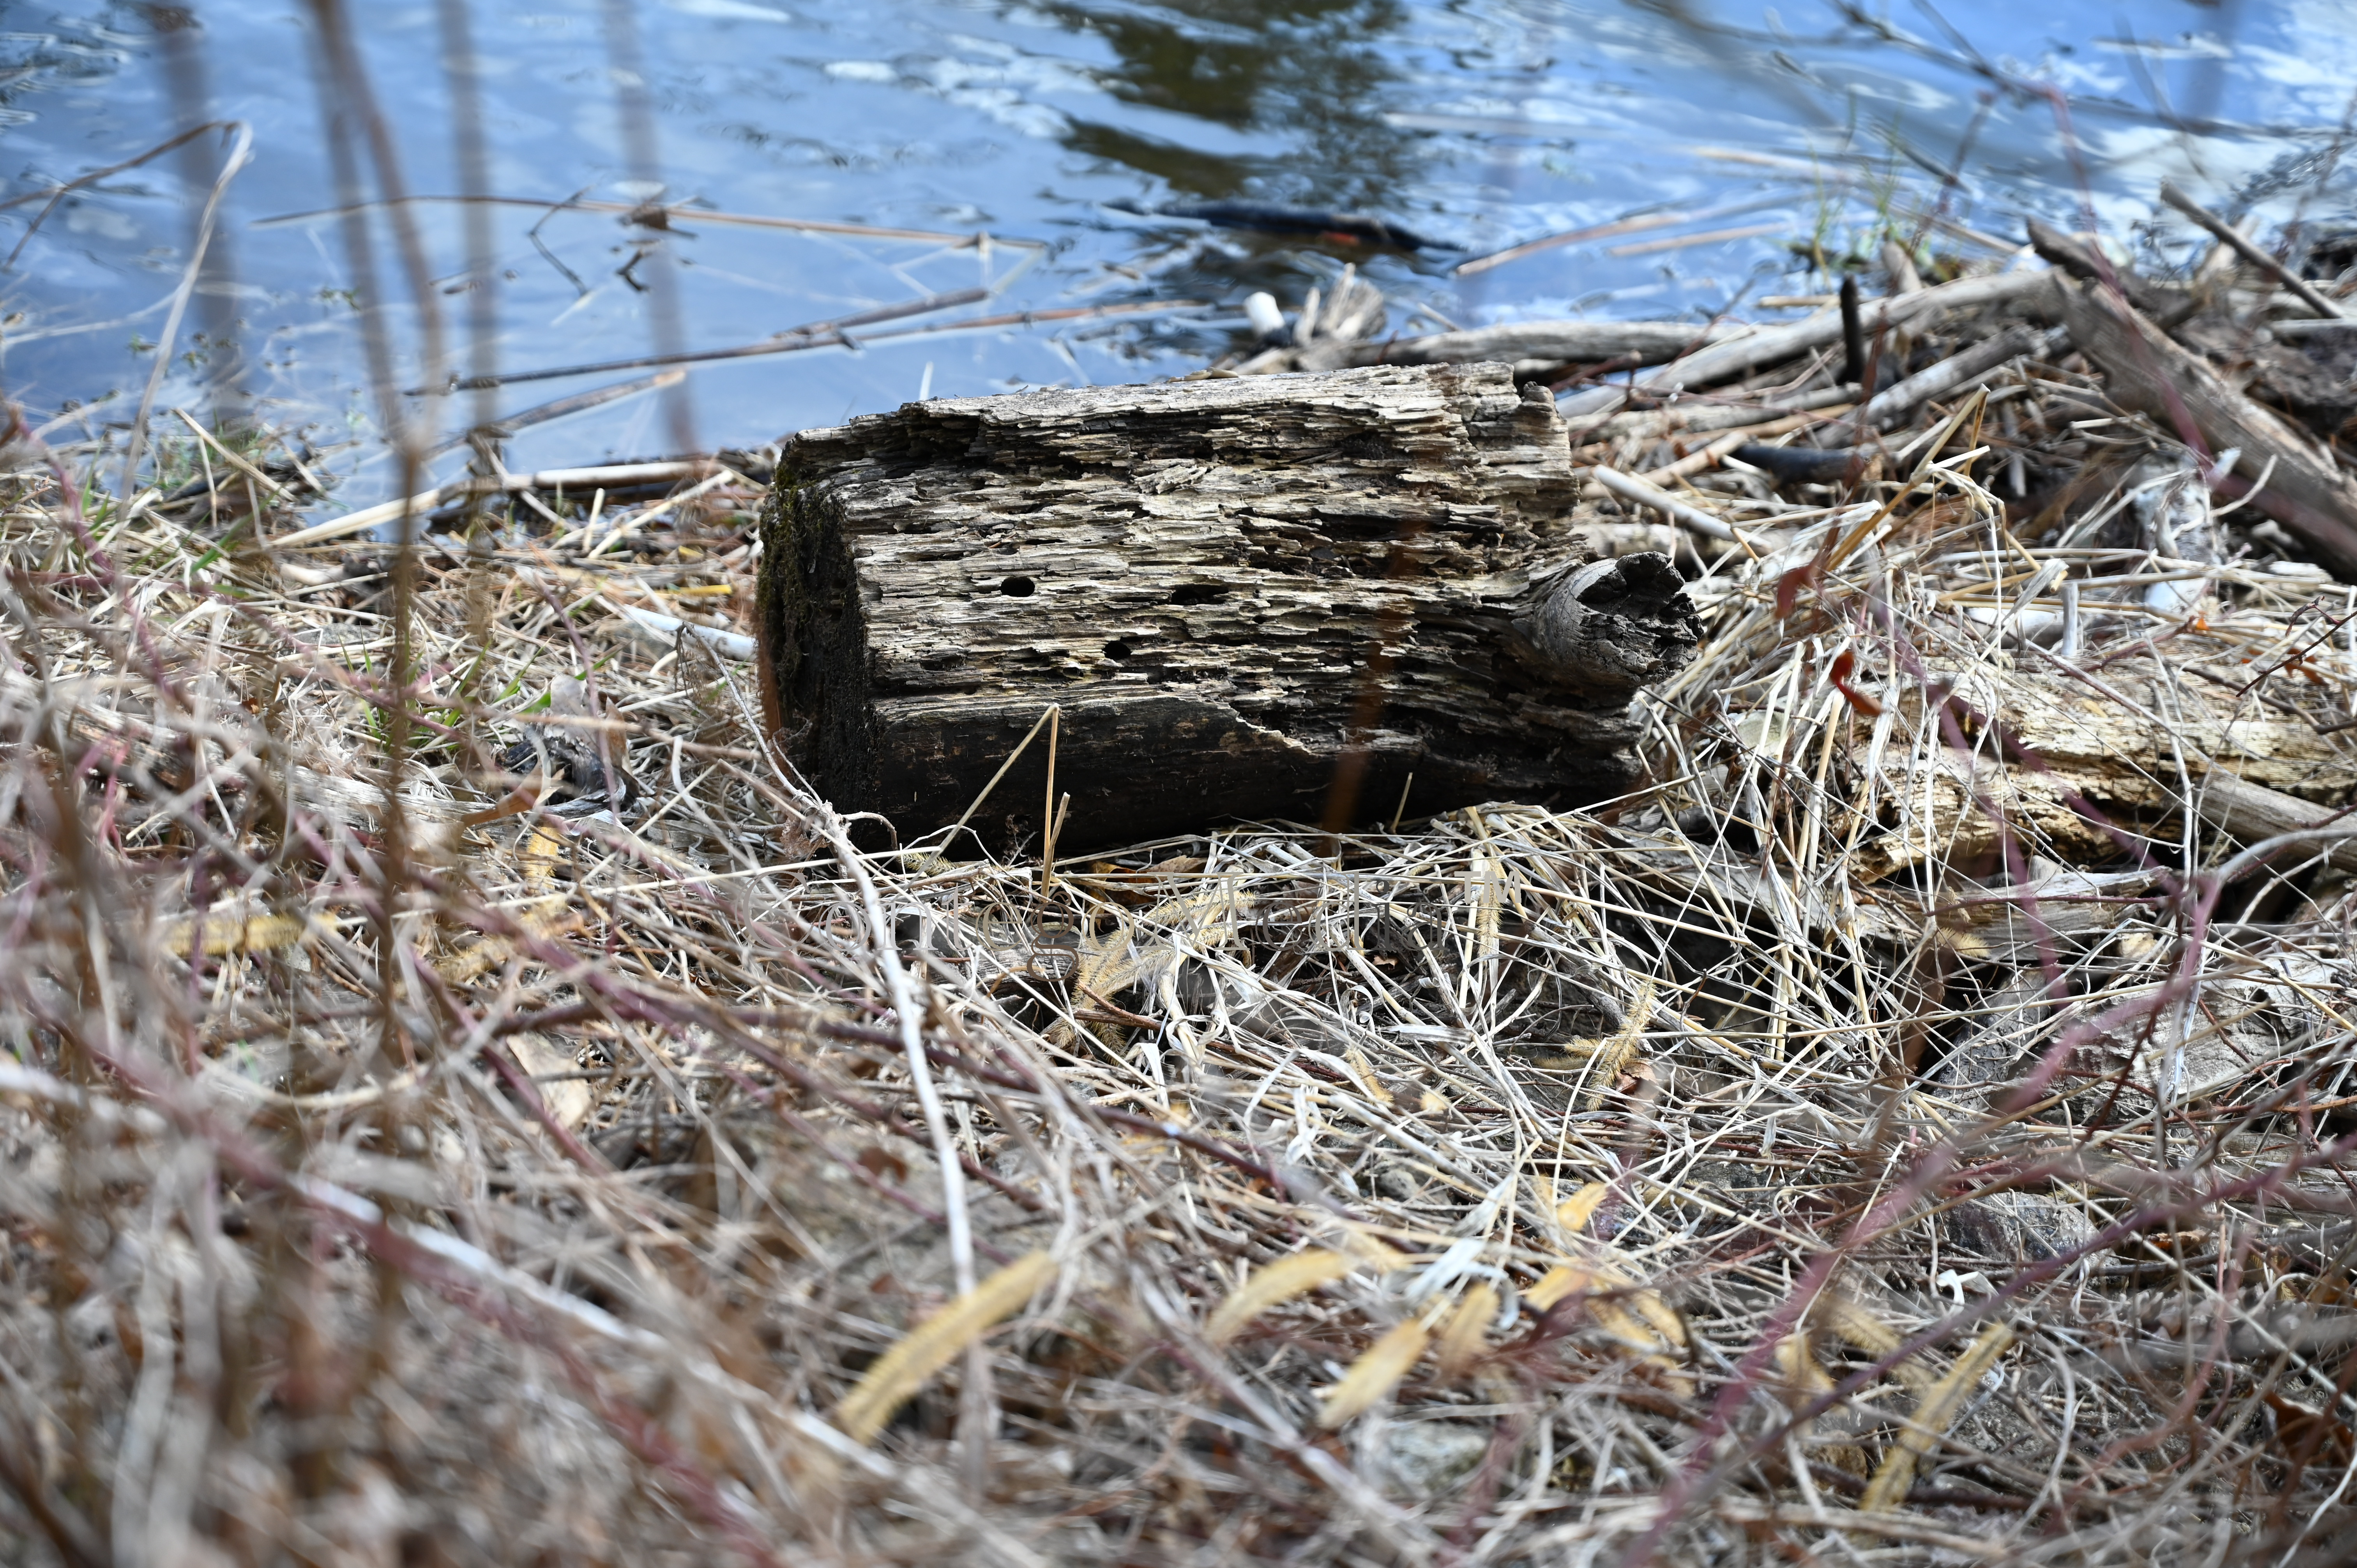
2068 252
2079 258
1607 629
814 635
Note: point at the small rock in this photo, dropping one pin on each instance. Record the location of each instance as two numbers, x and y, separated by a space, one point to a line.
1430 1457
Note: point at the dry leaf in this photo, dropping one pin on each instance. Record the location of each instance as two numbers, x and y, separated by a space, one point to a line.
1616 1056
1646 1324
1869 1334
1574 1212
227 933
1375 1373
1929 1423
926 1349
1464 1336
1555 1284
1272 1283
568 1099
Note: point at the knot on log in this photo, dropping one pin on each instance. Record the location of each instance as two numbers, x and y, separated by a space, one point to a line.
1611 627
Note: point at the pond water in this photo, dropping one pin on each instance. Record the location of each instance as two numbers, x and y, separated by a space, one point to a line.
1475 124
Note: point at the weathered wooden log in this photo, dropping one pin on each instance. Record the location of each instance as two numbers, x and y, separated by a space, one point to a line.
1252 598
2264 766
2253 812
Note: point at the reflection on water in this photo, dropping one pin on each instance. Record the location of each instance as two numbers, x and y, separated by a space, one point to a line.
1304 89
1479 123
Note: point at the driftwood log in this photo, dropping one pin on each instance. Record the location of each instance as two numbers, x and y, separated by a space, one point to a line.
1741 353
1250 598
2128 742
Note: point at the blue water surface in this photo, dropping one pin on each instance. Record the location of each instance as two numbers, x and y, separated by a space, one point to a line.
1788 137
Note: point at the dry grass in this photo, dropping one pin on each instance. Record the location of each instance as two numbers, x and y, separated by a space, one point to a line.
1752 1170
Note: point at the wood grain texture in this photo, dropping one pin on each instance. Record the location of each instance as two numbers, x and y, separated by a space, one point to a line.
2253 812
2126 749
1229 586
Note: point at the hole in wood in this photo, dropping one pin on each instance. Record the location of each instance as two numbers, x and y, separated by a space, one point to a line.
1018 587
1117 650
1199 594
